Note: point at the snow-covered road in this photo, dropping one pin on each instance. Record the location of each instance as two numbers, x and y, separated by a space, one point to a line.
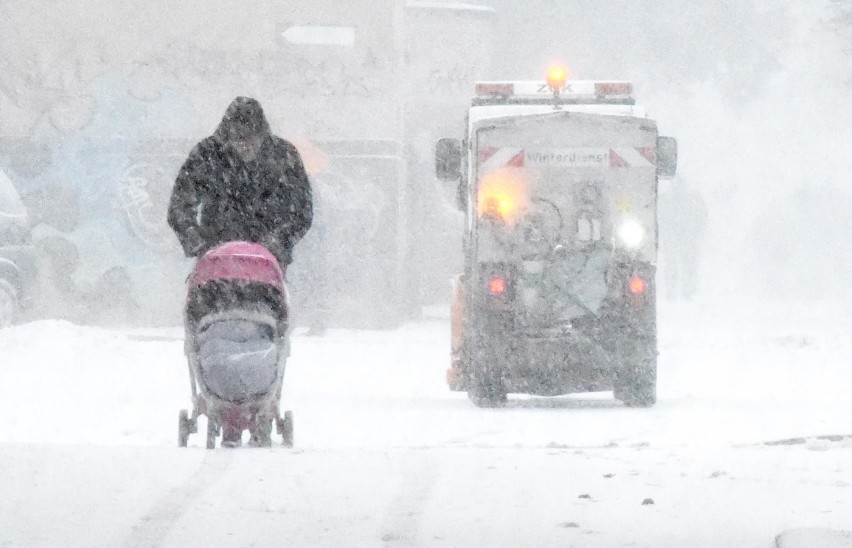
386 456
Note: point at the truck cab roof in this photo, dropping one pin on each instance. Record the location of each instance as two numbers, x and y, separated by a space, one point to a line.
529 97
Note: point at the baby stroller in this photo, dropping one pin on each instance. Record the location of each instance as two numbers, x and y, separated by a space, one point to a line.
237 344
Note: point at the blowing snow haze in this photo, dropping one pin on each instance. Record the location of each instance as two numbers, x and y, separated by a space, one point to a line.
688 394
755 93
98 114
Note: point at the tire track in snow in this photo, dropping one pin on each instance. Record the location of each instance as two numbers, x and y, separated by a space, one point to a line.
401 523
153 528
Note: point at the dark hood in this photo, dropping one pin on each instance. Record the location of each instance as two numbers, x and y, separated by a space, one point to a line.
243 118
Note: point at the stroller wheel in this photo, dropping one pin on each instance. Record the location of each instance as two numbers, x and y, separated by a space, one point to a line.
184 427
212 433
285 428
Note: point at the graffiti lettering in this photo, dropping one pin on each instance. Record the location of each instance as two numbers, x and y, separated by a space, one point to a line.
140 206
279 70
454 79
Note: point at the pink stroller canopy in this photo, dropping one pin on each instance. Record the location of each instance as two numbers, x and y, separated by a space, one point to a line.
244 261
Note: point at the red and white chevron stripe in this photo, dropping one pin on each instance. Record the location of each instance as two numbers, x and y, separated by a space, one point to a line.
491 159
633 157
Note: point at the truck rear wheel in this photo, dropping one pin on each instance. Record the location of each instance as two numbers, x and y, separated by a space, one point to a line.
486 388
636 384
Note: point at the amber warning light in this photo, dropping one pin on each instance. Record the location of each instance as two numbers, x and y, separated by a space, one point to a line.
502 195
556 78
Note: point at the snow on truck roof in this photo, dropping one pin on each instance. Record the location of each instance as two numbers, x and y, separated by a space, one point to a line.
572 91
529 97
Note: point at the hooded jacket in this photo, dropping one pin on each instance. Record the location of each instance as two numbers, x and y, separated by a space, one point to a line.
218 197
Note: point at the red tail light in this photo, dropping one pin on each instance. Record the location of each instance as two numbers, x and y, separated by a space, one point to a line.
497 286
637 285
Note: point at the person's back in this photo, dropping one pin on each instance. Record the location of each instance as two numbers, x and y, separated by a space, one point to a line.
242 183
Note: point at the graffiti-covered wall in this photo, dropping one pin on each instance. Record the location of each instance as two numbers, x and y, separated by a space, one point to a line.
101 102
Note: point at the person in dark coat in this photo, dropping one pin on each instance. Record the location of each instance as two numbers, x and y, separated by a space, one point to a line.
242 183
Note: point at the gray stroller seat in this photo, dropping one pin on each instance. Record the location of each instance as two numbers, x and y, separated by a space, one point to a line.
238 358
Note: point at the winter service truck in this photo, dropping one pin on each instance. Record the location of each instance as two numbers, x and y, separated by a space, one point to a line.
558 182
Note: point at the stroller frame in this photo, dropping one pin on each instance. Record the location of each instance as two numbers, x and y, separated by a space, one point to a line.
256 413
